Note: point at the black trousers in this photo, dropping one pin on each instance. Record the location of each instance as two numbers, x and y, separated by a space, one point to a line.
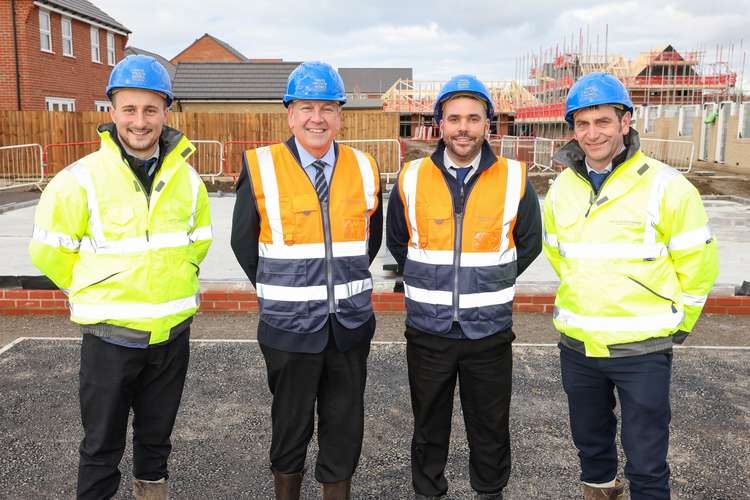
114 379
336 381
642 384
484 368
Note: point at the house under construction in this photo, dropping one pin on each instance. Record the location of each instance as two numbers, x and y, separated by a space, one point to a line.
660 80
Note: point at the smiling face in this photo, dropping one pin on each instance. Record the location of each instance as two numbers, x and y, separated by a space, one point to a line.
139 116
464 127
315 124
600 133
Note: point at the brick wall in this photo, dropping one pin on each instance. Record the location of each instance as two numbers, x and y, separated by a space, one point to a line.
19 302
45 74
205 49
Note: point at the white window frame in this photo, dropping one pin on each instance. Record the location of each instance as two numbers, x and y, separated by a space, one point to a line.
95 52
63 103
744 113
67 40
45 31
102 106
110 48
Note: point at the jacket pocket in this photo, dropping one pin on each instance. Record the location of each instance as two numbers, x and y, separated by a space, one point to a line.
308 225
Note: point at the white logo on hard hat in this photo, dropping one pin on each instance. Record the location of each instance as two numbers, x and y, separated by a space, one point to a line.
319 85
138 75
590 93
463 84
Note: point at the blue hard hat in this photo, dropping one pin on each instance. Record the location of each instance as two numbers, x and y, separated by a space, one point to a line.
463 84
315 81
140 72
595 89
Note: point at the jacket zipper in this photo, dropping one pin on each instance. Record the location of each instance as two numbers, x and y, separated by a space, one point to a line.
674 308
146 195
459 222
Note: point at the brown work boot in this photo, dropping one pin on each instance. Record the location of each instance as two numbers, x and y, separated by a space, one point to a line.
150 490
616 492
340 490
287 486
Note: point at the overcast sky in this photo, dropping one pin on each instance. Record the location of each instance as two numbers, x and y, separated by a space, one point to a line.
439 38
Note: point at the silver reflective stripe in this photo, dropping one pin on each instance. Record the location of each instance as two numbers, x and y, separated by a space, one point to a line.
694 300
550 239
201 233
410 193
271 193
438 297
299 251
292 293
368 178
137 244
653 210
81 174
611 250
195 181
465 300
56 240
131 310
512 199
619 323
468 259
690 239
347 290
482 299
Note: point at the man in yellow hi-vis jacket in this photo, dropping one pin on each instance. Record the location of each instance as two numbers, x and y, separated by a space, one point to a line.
122 231
629 238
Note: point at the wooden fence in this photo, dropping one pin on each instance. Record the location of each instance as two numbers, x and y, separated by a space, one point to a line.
60 131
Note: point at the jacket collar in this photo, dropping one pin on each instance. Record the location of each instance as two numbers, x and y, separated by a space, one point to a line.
571 155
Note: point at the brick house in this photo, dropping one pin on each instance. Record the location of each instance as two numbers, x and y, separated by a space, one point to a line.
57 55
208 48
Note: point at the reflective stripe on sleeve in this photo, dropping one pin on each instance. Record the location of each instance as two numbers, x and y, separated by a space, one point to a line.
113 311
694 300
690 239
56 240
619 323
201 233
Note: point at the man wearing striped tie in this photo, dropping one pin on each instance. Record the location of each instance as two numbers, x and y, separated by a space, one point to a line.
629 238
463 224
307 224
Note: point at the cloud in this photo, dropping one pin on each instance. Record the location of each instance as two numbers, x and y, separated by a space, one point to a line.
439 38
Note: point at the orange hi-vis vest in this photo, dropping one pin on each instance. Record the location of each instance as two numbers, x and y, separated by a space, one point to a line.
461 263
313 258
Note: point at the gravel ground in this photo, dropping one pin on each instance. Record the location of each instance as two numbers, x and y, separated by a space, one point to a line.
223 430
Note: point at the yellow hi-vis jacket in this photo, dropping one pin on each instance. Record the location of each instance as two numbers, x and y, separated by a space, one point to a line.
313 258
636 261
125 259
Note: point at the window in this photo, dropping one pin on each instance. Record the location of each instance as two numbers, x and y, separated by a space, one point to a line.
67 36
743 128
60 104
110 48
95 45
101 105
685 119
45 31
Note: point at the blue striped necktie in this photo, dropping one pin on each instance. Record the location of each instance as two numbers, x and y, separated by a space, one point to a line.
321 185
461 173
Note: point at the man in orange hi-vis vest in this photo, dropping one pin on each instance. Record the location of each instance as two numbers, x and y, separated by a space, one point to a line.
307 224
462 224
